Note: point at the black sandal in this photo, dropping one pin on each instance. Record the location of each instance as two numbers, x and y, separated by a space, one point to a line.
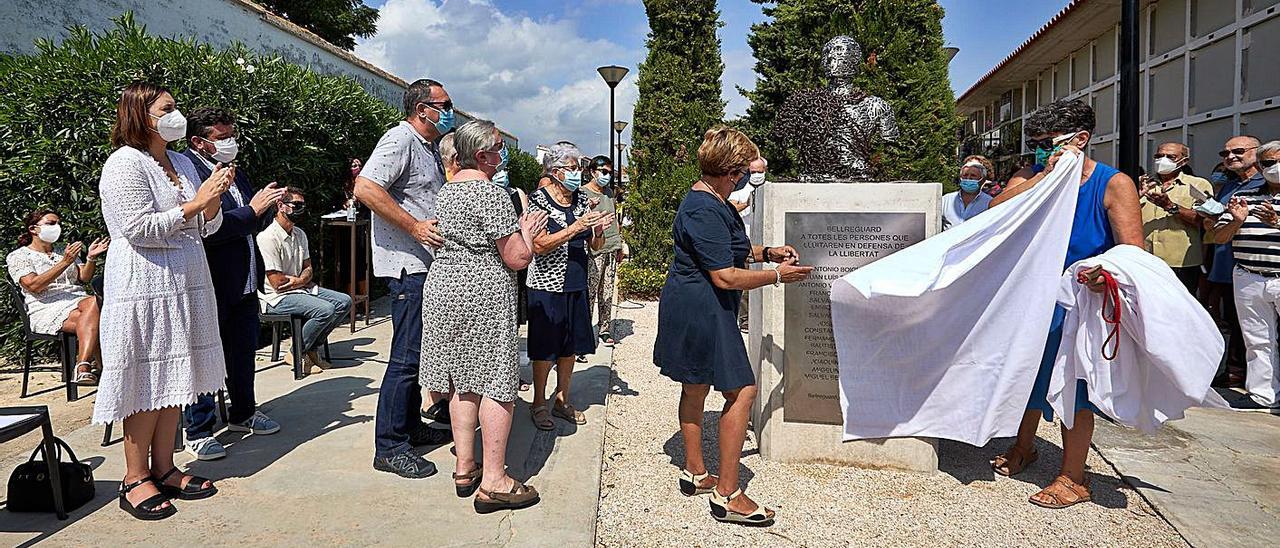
520 496
147 510
465 490
193 490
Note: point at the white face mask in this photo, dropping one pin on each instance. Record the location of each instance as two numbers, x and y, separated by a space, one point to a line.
50 233
756 179
1165 166
171 126
1272 174
225 150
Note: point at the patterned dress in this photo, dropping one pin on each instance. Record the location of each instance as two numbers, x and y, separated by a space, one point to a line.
159 326
49 309
469 332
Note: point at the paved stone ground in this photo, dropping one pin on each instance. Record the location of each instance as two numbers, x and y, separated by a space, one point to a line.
1215 474
313 483
820 505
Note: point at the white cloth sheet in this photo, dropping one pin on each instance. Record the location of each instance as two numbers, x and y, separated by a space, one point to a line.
1169 347
943 339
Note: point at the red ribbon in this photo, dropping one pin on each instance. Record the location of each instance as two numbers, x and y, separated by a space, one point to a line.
1110 296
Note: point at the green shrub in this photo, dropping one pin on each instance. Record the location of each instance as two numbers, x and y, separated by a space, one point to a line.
57 107
639 282
524 171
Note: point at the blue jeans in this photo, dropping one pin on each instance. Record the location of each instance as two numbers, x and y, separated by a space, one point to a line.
238 323
323 311
400 397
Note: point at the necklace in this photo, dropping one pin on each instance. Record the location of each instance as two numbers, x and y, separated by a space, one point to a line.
709 189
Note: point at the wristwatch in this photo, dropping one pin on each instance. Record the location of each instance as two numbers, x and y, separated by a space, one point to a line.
1173 209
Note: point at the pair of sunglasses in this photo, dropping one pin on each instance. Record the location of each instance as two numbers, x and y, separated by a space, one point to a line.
1049 142
1234 151
1267 163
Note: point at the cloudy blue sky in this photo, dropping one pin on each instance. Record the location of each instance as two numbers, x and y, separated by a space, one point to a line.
530 64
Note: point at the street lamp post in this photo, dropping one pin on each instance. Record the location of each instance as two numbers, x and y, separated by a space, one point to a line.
612 74
618 126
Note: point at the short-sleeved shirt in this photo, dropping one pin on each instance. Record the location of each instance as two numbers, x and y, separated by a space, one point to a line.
1175 242
955 212
409 167
612 238
285 252
563 269
1256 246
1223 262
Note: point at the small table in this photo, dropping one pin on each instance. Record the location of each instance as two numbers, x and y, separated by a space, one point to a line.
357 278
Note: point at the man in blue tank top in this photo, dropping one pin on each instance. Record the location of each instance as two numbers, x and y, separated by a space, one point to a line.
1107 214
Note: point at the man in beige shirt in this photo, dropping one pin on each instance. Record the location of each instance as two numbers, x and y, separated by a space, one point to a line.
1172 227
288 288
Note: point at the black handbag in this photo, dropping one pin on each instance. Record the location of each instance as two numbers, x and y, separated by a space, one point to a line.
30 488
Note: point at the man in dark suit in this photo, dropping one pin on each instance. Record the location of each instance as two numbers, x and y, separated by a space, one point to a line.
237 270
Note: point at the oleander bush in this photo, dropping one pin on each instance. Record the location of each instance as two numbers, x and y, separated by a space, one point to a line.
57 107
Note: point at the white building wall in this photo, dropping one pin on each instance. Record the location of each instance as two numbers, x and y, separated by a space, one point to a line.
1209 71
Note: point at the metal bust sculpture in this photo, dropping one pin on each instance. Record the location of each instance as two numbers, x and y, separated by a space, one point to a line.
835 129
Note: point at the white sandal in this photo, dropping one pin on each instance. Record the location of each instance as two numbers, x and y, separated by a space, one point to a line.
720 510
689 484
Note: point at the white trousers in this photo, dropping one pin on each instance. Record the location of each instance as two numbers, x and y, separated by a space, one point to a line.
1257 305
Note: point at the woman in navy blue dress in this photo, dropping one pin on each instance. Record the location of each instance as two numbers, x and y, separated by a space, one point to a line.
698 342
1107 214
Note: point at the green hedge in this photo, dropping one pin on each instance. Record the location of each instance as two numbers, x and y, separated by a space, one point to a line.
652 210
57 107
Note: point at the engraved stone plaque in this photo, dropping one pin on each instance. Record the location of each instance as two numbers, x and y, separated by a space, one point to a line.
835 244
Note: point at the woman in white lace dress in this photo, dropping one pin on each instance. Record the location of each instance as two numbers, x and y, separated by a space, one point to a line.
52 284
160 343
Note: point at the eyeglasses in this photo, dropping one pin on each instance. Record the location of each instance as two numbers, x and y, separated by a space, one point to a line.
1173 157
295 205
1234 151
1267 163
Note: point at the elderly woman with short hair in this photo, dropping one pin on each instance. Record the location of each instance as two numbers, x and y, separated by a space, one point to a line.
469 339
698 342
559 318
1252 226
970 200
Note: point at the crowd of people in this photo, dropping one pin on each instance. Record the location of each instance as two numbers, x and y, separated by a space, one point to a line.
194 254
1220 236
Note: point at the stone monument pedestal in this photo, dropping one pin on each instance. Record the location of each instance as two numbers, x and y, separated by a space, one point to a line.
836 228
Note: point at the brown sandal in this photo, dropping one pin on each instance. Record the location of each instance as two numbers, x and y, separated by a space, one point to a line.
520 496
1014 461
567 412
467 489
542 418
1064 493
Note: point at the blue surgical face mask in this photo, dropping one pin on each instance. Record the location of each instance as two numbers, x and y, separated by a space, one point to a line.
501 179
970 185
1042 155
504 155
445 123
604 179
572 180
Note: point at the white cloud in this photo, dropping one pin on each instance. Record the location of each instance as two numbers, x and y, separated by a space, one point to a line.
535 77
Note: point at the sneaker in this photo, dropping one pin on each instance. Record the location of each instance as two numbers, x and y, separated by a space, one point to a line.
426 435
1248 403
405 465
206 448
258 424
438 411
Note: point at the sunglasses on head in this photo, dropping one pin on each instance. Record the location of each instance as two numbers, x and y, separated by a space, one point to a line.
1234 151
1267 163
1049 142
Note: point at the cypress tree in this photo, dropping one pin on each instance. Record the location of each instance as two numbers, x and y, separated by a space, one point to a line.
906 66
679 101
